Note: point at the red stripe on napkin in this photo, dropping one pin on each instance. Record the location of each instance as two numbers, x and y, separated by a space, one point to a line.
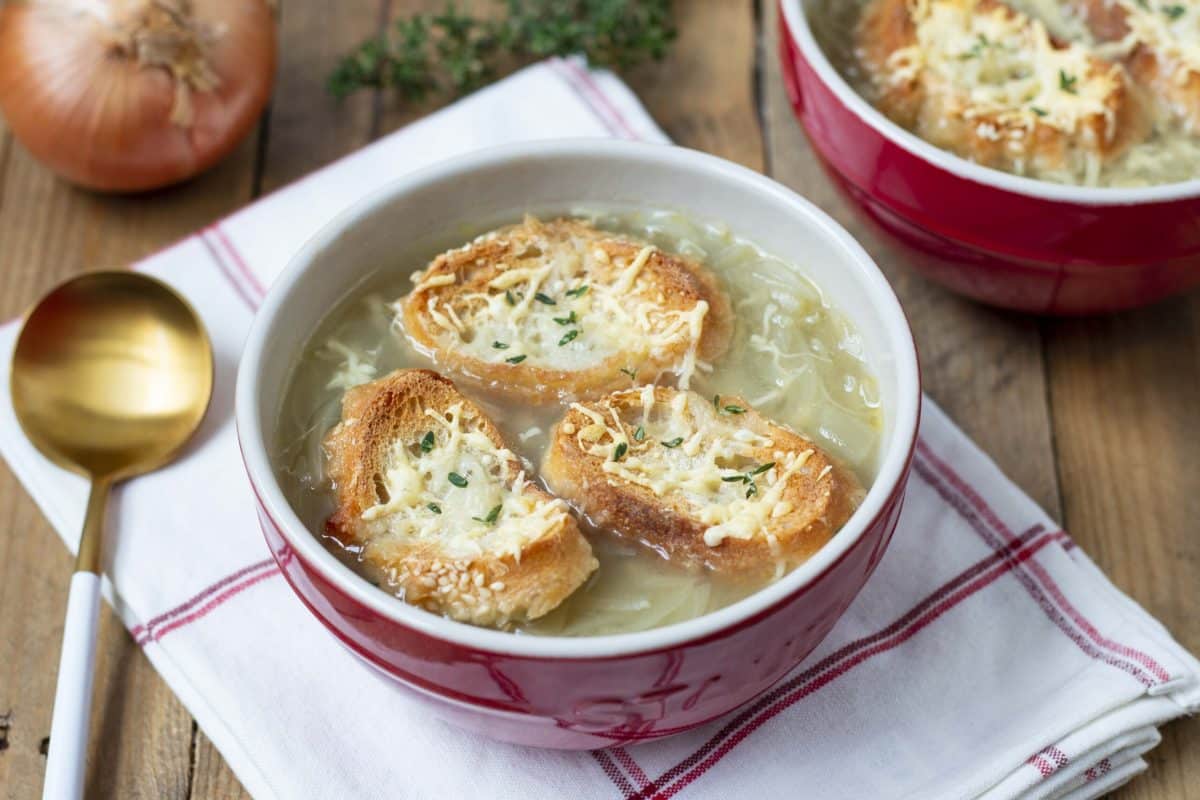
967 492
818 682
966 510
224 590
942 599
245 294
593 96
238 261
137 630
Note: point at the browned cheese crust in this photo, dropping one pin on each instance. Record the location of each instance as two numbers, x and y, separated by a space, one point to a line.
990 139
677 283
1179 91
820 496
488 588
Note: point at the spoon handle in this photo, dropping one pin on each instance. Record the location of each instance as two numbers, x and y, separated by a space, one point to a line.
66 762
67 758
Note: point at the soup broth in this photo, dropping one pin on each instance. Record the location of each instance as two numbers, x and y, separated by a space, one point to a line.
792 356
1170 154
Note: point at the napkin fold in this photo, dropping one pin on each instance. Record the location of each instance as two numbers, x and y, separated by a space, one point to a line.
987 657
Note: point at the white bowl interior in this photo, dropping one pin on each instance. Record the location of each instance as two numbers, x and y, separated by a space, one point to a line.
796 14
399 227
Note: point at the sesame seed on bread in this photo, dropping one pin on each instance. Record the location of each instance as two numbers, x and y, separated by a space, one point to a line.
434 502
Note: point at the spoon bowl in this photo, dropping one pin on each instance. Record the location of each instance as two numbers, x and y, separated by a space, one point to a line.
111 375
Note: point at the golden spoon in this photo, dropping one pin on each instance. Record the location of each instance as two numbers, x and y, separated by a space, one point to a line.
111 375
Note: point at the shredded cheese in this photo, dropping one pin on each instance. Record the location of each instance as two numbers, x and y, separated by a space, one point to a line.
355 370
567 305
990 63
693 452
459 493
1171 28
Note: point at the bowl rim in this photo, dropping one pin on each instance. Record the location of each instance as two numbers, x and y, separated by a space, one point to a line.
796 26
893 463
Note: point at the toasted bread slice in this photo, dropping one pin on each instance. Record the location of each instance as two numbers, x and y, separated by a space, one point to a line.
442 511
561 310
1161 39
711 484
988 83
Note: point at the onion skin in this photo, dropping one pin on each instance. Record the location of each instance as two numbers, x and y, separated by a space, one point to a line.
102 121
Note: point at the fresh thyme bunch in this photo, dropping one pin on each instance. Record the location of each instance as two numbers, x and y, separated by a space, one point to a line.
456 51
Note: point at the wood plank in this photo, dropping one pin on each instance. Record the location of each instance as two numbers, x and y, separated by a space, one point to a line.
983 367
34 569
703 93
141 735
212 777
1125 393
307 127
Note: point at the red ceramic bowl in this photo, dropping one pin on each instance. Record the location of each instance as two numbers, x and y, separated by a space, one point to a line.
1006 240
582 692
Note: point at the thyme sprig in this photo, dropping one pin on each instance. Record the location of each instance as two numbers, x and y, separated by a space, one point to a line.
457 51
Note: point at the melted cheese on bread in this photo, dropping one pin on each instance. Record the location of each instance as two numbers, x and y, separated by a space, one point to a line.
1171 28
436 506
456 487
691 452
1002 65
562 308
706 482
989 83
1159 43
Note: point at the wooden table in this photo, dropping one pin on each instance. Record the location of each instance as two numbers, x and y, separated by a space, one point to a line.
1096 419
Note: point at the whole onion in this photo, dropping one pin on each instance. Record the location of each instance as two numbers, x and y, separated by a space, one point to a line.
127 95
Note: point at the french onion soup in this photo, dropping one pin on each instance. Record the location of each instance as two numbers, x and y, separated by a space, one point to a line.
578 424
1082 92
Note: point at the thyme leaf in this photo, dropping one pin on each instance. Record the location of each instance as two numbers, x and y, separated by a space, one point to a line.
491 517
458 51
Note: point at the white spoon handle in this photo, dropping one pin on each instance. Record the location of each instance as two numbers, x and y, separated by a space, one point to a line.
66 763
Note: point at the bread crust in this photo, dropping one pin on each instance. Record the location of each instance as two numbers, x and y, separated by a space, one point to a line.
1179 92
994 140
679 283
822 495
491 588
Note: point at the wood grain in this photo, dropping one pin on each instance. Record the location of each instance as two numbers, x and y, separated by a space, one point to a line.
306 128
1125 392
703 93
1112 398
212 779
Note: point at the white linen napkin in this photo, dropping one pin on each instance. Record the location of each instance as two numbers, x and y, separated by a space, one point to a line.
987 657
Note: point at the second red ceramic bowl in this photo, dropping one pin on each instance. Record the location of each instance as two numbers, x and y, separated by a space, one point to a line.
596 691
999 238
